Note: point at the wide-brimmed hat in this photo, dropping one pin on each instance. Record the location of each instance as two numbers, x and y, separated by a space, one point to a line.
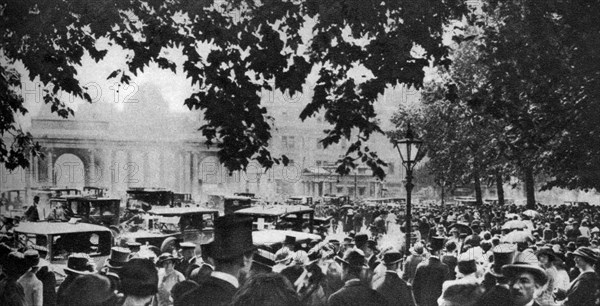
353 258
587 254
118 257
392 257
90 289
546 251
232 237
79 263
504 254
526 261
139 277
164 257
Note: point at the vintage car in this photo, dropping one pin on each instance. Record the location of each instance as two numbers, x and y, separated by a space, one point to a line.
102 211
272 240
145 198
166 227
287 217
300 200
55 241
228 204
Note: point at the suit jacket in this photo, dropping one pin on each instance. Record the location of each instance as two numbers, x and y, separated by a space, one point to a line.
356 293
394 290
186 266
49 284
429 278
583 290
213 291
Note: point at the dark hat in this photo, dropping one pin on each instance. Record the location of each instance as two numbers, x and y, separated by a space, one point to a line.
587 254
546 251
232 237
289 240
392 257
504 254
450 246
360 240
571 246
582 241
118 257
166 257
90 289
466 263
353 258
32 258
526 261
79 263
264 258
15 264
437 243
139 277
464 294
187 245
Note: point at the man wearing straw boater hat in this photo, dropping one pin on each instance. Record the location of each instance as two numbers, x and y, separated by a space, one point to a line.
355 291
526 278
232 251
391 286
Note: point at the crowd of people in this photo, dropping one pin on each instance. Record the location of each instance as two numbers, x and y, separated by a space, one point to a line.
485 255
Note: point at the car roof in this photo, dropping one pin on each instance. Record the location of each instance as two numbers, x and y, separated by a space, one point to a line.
274 210
269 237
178 211
54 228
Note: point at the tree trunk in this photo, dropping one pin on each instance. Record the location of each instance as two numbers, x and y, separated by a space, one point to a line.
477 188
529 188
499 188
443 204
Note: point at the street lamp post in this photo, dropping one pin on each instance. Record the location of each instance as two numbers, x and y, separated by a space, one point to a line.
408 147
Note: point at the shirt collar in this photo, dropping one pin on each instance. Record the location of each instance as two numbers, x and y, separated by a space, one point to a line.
226 277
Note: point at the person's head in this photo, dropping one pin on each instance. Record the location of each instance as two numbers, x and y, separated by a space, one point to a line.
353 264
232 248
139 278
524 288
166 261
585 258
90 289
36 200
181 288
546 257
188 250
391 260
270 289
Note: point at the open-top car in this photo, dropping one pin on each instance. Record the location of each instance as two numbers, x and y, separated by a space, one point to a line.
286 217
55 241
166 227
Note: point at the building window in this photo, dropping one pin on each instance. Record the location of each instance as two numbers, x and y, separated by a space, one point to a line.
361 191
339 190
362 171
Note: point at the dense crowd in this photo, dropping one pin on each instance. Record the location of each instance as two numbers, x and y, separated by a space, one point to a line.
487 255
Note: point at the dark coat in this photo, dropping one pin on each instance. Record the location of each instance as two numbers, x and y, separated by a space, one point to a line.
186 266
292 273
429 278
201 274
373 262
213 291
60 296
356 293
583 290
410 267
394 290
49 284
451 261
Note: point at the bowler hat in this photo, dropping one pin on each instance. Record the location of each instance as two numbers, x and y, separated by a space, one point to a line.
526 261
392 257
353 258
90 289
504 254
587 254
79 263
15 264
139 277
118 257
232 237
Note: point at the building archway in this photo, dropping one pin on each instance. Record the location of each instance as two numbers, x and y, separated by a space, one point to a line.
69 171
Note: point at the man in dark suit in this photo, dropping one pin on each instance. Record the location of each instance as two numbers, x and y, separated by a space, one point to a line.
394 290
188 261
412 261
450 259
429 278
355 290
232 251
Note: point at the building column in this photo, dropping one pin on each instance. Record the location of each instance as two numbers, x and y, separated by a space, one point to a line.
194 174
91 176
50 168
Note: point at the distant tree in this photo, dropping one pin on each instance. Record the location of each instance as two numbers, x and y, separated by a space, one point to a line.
256 46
